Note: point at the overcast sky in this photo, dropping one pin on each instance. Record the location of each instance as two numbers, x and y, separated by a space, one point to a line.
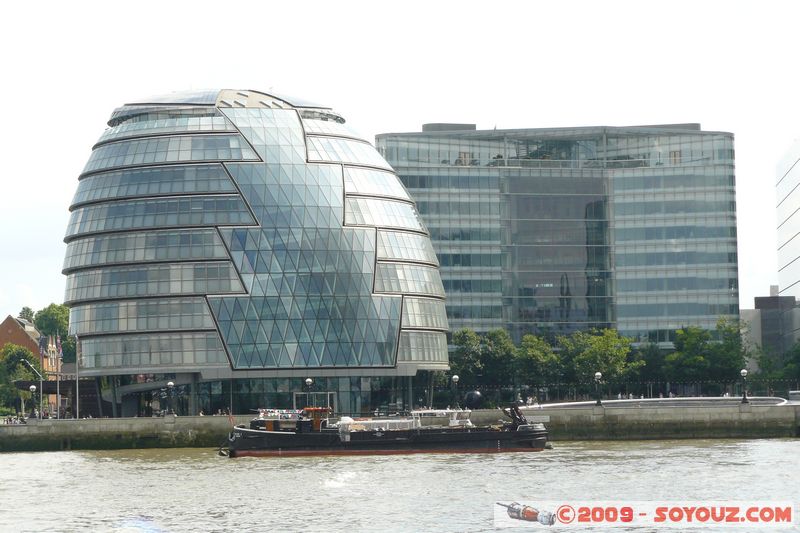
389 67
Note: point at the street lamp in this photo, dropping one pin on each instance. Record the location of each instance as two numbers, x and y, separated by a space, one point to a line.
170 393
597 377
308 383
744 385
32 388
455 379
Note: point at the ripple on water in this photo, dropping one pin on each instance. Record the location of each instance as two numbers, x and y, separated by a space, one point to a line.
177 490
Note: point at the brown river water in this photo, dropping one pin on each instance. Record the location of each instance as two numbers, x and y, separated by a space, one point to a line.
177 490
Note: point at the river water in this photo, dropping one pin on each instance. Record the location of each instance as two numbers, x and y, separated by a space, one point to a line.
176 490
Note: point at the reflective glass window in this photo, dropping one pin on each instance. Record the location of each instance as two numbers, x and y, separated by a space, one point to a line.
407 278
382 213
405 246
187 244
424 313
153 280
675 284
674 232
154 181
330 127
156 126
422 346
140 315
145 353
162 212
373 182
340 150
149 113
175 148
673 207
679 309
673 258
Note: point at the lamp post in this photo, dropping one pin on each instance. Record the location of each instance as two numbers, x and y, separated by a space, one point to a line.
308 383
170 393
32 388
744 385
455 379
597 377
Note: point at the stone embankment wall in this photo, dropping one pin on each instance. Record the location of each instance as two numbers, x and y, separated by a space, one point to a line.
572 423
117 433
686 422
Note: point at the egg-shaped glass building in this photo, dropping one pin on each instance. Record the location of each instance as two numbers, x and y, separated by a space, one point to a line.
237 243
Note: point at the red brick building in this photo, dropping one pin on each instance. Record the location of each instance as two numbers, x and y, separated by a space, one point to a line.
21 332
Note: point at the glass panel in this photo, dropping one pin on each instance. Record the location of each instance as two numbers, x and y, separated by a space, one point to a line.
167 212
144 247
405 278
408 246
422 346
154 280
382 213
157 126
334 149
170 149
145 353
147 113
330 127
140 315
154 181
424 313
373 182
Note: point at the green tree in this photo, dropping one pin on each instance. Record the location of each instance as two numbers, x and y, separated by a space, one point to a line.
604 351
691 359
730 354
497 358
466 359
653 357
536 362
791 366
68 349
27 314
12 369
53 320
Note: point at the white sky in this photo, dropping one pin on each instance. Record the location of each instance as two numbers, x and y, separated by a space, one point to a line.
390 67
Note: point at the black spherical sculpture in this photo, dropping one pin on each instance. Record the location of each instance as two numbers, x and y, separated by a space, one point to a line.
473 399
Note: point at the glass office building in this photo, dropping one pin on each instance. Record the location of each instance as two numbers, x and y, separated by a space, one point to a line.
236 243
550 231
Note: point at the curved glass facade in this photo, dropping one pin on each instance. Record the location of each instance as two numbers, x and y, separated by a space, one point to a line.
233 236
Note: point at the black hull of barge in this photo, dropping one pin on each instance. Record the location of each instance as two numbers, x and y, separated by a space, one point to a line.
244 442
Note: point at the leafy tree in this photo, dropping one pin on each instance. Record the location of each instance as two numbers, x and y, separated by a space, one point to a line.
68 349
12 369
466 359
653 357
27 314
785 366
536 362
53 320
603 351
791 367
728 357
691 358
497 357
